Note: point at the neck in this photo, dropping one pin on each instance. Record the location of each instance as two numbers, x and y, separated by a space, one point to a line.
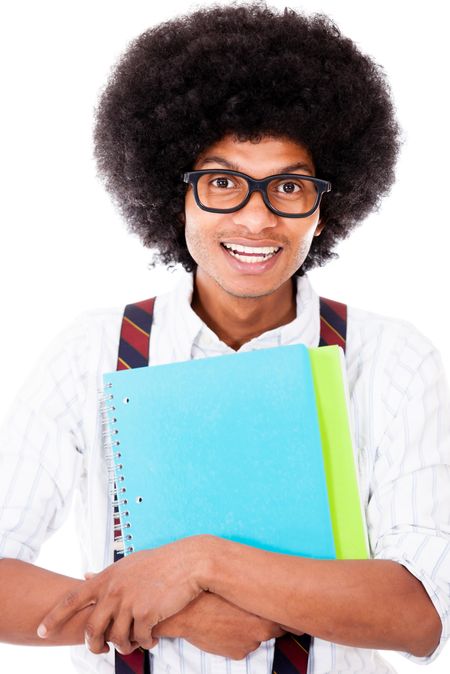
237 320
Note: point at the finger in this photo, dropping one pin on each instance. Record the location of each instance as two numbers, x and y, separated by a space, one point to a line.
96 628
133 641
120 633
105 648
89 574
136 644
71 603
142 632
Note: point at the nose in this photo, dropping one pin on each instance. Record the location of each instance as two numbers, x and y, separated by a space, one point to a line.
255 216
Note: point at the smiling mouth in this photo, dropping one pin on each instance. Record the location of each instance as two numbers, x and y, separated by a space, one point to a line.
251 254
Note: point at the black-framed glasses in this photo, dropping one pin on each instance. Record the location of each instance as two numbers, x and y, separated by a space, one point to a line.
289 195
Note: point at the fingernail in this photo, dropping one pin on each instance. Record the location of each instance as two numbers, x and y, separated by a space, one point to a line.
42 631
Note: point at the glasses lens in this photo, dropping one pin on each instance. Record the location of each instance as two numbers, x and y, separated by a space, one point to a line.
292 195
221 190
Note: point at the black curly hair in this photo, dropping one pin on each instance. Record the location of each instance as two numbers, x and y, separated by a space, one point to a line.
250 71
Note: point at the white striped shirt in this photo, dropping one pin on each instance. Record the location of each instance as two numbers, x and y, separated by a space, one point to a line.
51 448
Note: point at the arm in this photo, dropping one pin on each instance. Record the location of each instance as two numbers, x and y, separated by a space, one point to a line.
39 467
215 625
27 592
131 601
377 603
368 603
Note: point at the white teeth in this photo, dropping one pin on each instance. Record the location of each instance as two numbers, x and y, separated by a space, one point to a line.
252 259
261 250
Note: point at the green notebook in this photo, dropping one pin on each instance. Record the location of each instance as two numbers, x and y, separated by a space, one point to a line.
332 399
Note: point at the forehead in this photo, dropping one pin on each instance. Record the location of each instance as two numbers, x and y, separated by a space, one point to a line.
259 158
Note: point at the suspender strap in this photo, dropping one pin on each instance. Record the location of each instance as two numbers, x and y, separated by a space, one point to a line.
291 651
333 323
133 352
135 335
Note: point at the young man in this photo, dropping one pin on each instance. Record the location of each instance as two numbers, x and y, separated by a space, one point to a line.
197 110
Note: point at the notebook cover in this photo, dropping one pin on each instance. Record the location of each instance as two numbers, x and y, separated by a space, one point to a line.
228 445
350 536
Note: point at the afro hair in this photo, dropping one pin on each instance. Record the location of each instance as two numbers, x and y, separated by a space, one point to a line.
250 71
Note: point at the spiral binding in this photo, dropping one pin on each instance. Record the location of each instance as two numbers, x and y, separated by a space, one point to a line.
117 488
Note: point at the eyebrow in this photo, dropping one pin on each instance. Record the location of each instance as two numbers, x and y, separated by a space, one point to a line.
214 159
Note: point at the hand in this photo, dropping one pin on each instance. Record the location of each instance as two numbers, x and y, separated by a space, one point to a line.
132 596
215 625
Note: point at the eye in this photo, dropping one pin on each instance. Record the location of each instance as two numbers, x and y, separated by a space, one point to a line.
289 187
222 182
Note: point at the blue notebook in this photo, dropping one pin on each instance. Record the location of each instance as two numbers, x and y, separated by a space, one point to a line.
228 445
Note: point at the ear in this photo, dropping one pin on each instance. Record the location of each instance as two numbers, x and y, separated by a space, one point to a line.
181 218
319 228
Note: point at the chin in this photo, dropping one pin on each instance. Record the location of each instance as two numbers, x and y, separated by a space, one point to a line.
249 292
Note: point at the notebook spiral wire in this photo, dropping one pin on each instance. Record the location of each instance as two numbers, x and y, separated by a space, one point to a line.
117 489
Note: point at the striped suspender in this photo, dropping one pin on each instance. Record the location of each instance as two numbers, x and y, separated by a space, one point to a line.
133 352
135 335
333 323
291 651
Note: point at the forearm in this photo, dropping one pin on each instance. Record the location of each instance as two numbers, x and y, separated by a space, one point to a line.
204 612
368 603
178 625
27 593
215 625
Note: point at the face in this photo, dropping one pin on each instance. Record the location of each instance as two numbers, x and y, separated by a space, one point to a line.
279 244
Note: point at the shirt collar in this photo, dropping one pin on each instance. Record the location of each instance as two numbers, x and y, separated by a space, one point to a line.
305 328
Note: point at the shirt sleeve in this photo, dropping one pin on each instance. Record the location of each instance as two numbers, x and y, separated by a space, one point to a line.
41 447
409 508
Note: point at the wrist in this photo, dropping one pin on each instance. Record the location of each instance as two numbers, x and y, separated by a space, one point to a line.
171 628
206 561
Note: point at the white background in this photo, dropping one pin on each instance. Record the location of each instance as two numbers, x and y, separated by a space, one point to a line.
61 238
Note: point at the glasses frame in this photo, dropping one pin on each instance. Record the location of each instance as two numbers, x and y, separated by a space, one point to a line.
192 177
